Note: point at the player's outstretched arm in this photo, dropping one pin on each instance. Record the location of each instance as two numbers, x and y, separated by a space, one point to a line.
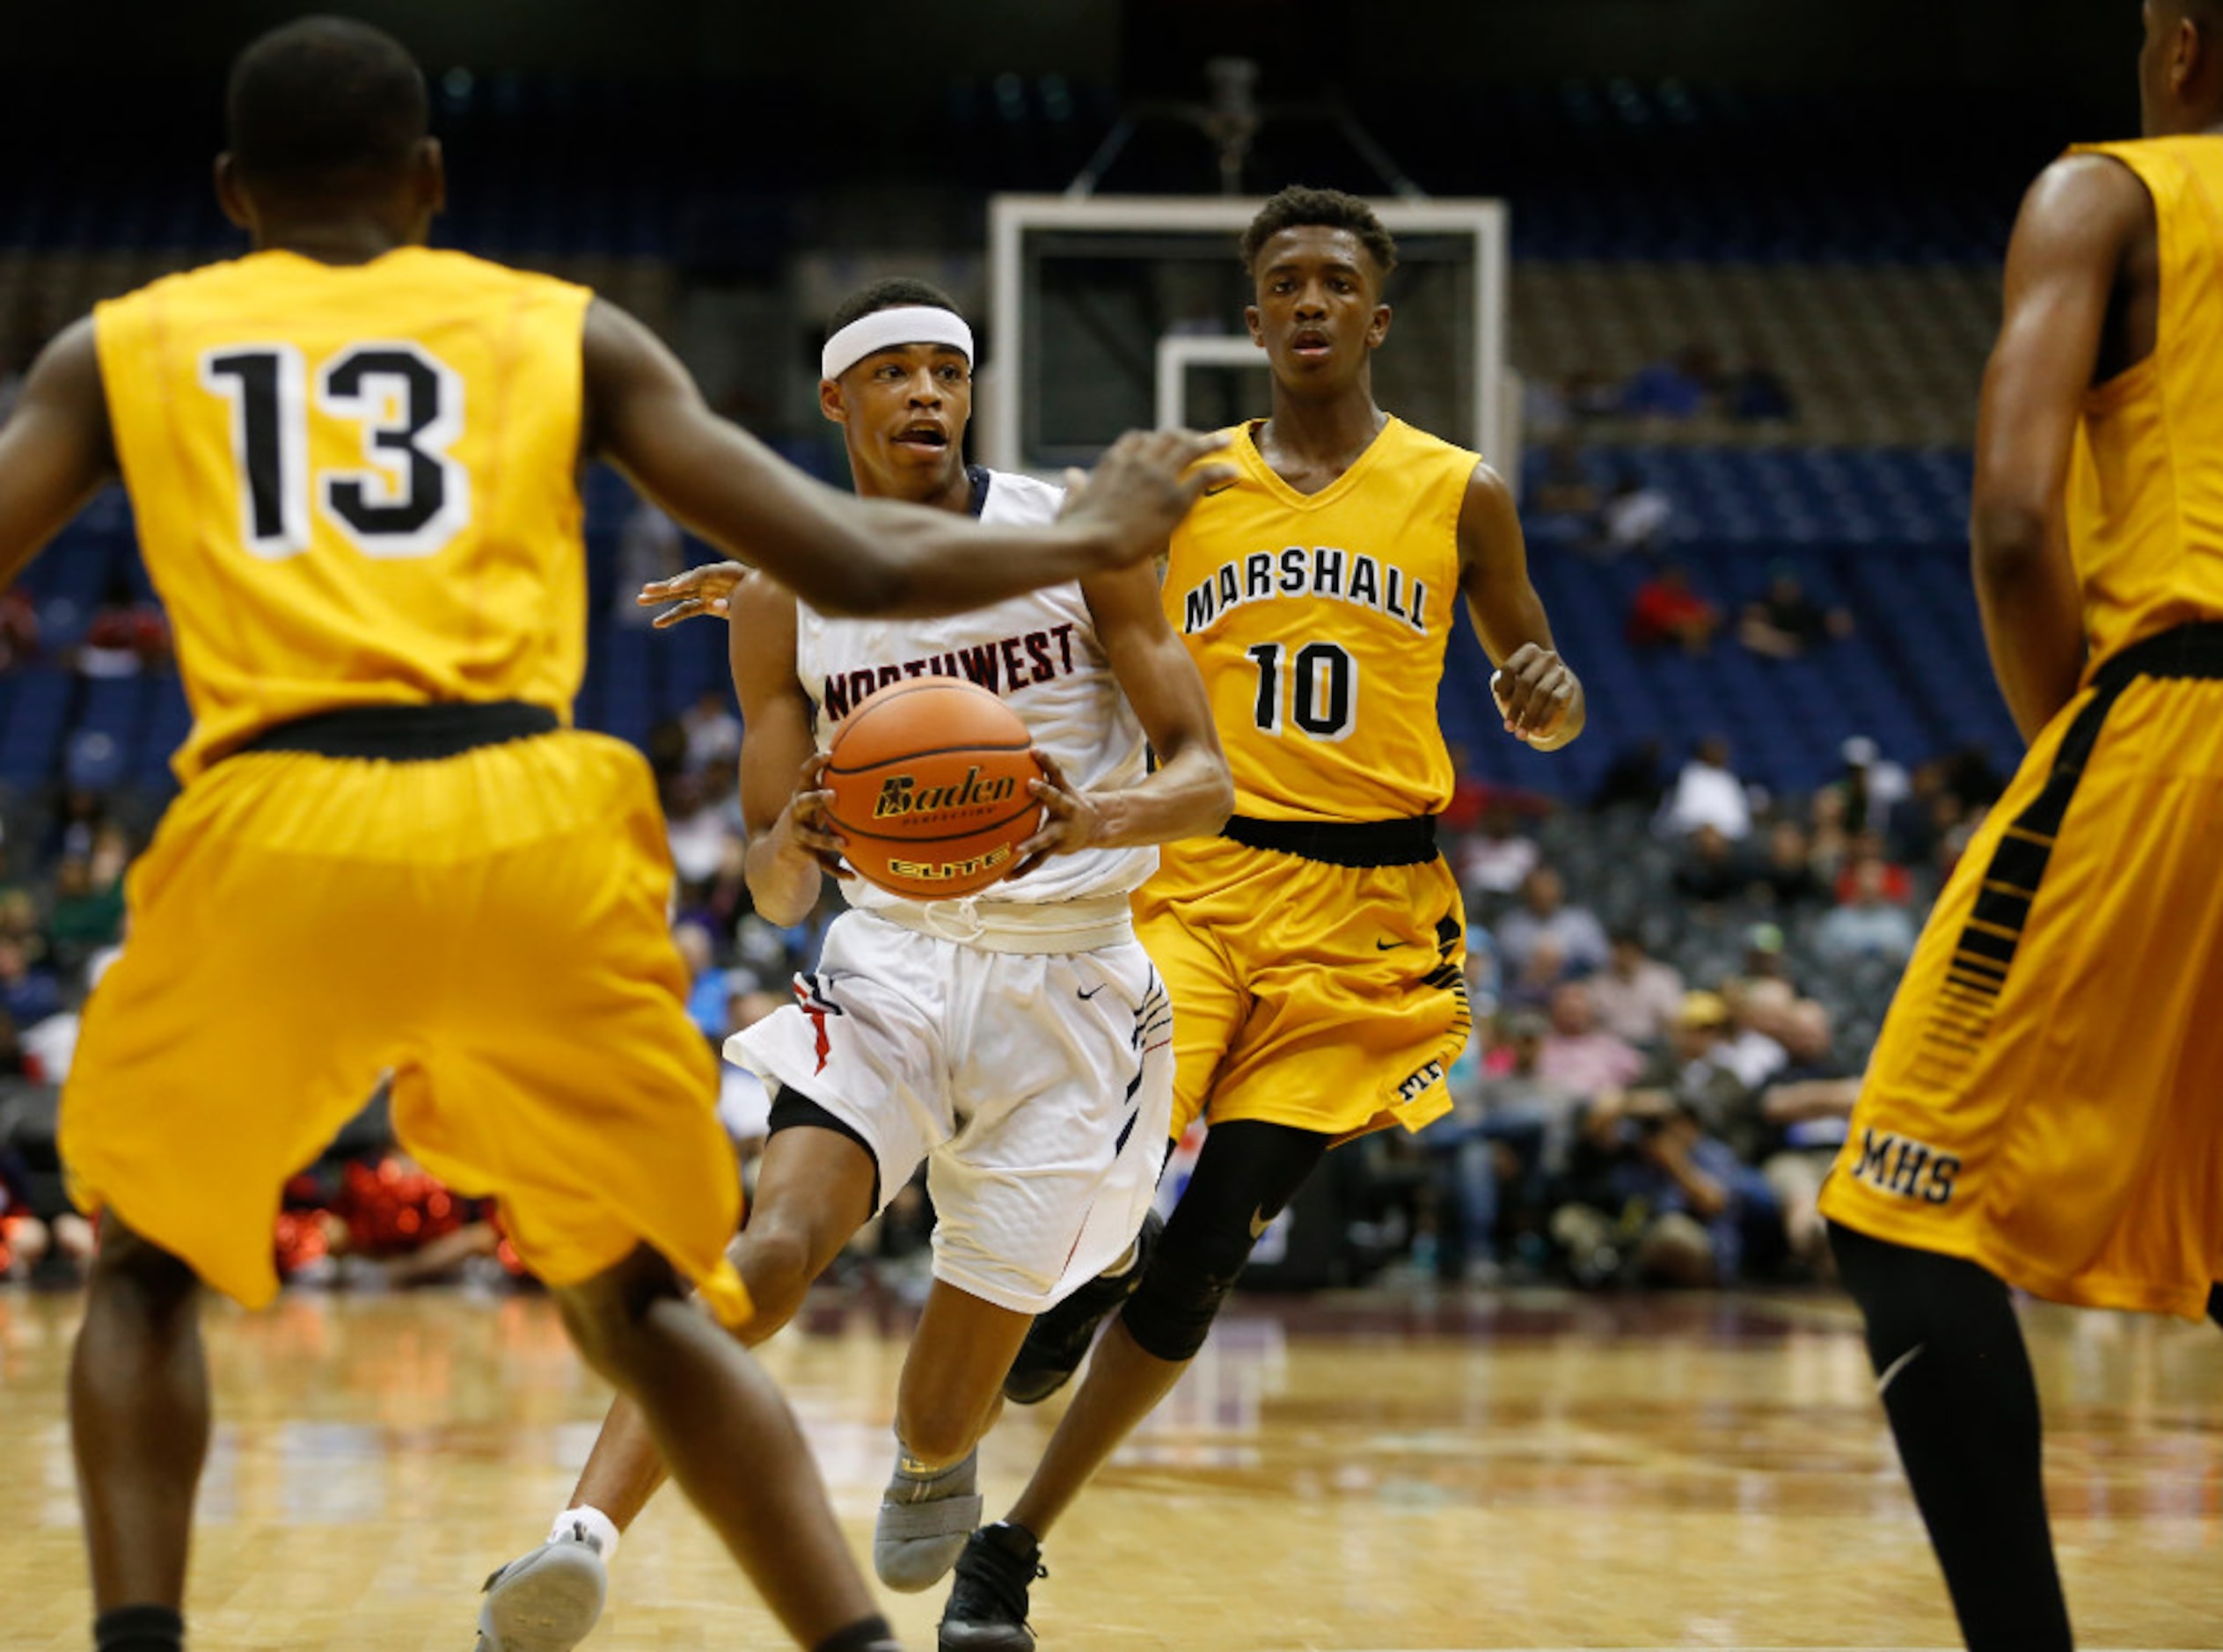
783 794
1539 696
55 452
1190 794
845 555
2077 222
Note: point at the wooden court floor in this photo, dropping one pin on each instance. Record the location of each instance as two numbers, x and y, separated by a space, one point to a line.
1369 1475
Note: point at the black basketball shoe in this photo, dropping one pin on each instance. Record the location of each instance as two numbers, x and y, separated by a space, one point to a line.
1059 1341
987 1609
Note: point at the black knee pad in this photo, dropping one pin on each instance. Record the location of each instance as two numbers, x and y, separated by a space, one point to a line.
1171 1310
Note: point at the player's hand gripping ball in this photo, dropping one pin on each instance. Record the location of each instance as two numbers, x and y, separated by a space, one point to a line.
930 783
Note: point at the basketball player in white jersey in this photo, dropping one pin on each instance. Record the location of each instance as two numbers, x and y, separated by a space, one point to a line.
1017 1041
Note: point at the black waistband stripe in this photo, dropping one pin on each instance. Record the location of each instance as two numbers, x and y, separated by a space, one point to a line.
1373 843
407 733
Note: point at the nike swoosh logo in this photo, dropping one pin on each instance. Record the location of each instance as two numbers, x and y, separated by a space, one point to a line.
1390 946
1214 493
1093 991
1259 1224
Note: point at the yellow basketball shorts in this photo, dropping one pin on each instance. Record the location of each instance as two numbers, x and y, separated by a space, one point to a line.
1326 998
491 928
2046 1099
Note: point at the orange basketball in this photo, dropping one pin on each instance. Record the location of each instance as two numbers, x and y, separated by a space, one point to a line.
929 778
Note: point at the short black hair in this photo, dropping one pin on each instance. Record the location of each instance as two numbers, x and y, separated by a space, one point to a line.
323 97
894 293
1298 206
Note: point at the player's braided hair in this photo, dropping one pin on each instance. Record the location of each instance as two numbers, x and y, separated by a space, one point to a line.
322 97
893 293
1298 206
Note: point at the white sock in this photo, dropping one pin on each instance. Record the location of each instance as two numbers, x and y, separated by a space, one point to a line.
597 1525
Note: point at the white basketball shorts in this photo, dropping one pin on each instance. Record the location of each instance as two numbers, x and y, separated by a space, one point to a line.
1038 1088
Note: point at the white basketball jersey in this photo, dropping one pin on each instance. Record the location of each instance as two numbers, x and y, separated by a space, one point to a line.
1040 653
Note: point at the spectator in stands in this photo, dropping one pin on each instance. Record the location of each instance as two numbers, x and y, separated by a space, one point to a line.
387 1224
1967 773
1674 391
77 824
707 1000
1766 956
20 922
1868 925
1508 1128
714 733
1590 395
25 1238
1755 393
744 1104
1804 1109
1580 1055
1499 857
667 753
18 628
649 548
1758 1008
773 953
1828 842
1565 488
1871 785
1636 516
86 915
127 635
1920 821
28 992
1948 796
16 1061
1633 778
1897 884
1786 877
1952 824
1784 622
1544 912
1666 610
1485 971
1543 969
1657 1201
1659 1194
1708 871
697 823
1708 792
719 904
1635 996
1690 1072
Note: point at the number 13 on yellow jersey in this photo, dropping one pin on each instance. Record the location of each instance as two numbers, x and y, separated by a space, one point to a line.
412 496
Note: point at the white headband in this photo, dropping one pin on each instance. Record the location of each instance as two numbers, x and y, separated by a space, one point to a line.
886 329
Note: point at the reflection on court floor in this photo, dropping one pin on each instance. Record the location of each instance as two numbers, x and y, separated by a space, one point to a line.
1531 1471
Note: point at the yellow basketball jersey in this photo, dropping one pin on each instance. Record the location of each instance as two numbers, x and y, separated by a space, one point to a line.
2145 500
1319 622
355 485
